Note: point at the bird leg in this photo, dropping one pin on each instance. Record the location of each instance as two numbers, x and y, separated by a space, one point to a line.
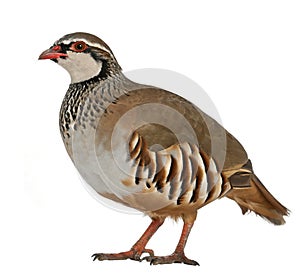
137 249
178 255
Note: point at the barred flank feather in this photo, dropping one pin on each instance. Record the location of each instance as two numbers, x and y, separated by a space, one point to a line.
182 173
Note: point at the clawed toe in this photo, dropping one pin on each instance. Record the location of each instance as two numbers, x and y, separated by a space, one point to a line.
174 258
131 254
98 256
148 251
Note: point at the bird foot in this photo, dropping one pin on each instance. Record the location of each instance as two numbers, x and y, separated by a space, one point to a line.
173 258
131 254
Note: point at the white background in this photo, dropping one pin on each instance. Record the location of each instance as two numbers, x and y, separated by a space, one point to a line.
244 54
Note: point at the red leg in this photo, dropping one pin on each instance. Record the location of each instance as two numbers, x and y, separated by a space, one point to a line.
137 249
178 256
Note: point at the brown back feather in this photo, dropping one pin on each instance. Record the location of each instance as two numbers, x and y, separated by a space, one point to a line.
227 151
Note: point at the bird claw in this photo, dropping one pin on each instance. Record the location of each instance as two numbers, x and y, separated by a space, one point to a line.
131 254
174 258
100 256
149 251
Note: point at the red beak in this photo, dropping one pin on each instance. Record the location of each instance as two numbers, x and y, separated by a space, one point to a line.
52 53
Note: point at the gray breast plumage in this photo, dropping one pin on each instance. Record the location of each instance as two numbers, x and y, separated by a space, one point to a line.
84 103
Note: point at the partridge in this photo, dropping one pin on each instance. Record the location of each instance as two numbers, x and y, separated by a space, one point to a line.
149 149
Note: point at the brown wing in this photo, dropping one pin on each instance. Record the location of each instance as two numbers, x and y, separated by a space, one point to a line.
169 118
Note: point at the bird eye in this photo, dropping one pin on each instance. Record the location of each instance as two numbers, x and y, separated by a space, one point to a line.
79 46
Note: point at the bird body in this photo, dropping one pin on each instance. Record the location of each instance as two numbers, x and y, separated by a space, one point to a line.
147 148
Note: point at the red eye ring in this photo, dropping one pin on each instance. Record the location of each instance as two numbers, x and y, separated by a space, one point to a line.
79 46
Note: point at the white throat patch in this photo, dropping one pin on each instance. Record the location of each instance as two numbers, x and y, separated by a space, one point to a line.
81 66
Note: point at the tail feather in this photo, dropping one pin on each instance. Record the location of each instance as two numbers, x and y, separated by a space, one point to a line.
251 195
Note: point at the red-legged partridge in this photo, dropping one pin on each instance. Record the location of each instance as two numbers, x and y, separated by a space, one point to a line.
149 149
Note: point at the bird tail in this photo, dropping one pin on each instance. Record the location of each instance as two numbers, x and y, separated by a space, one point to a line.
251 195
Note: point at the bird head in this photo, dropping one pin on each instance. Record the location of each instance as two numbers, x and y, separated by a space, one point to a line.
84 56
